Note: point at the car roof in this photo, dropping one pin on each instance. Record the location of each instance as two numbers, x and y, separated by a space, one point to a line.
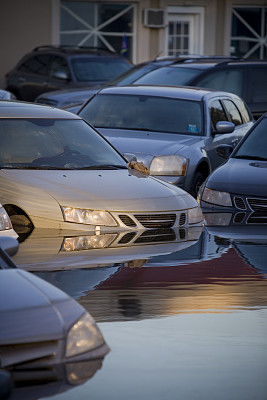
186 92
21 109
207 63
68 49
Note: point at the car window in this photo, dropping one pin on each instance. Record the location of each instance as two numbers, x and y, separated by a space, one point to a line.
217 112
140 112
58 64
243 110
258 86
233 112
226 80
168 76
37 65
97 69
255 145
50 142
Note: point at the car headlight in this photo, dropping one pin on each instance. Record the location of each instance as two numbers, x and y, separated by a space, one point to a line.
195 215
216 197
5 222
78 243
168 165
89 217
83 336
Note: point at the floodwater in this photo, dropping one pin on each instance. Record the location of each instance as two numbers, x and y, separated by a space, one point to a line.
184 314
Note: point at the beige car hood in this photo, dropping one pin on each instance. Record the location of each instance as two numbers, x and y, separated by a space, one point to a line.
114 190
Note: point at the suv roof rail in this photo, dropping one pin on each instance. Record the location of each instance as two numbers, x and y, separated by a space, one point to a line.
66 47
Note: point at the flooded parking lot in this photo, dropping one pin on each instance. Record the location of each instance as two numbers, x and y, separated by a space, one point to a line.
184 313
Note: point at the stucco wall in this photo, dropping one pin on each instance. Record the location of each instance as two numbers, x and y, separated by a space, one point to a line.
24 25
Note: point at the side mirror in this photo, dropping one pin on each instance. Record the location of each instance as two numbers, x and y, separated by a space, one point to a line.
224 150
61 75
129 157
224 127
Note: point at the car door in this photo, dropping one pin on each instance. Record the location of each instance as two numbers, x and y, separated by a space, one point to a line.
224 109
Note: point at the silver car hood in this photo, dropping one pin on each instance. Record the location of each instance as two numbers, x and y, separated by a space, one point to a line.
149 143
95 189
24 297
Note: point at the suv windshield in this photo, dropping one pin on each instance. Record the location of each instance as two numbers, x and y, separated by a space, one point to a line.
147 113
255 145
169 76
54 144
97 69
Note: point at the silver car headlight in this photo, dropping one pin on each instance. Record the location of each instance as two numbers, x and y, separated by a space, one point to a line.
89 217
5 222
195 215
78 243
168 165
83 336
216 197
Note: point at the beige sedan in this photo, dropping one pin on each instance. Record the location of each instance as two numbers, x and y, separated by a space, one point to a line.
58 172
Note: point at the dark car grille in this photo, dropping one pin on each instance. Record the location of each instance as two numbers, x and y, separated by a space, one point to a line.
257 218
156 235
259 205
239 203
156 220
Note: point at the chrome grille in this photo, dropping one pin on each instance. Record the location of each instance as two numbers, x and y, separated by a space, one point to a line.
127 238
156 220
239 203
258 204
156 235
182 219
127 220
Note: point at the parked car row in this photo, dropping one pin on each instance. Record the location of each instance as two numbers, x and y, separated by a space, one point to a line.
245 78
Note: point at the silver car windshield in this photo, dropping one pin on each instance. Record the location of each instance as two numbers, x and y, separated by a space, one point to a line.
54 144
145 113
255 145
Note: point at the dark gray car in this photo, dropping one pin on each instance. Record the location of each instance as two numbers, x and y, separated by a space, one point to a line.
174 131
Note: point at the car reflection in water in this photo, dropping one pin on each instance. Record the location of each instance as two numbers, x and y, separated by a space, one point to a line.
247 233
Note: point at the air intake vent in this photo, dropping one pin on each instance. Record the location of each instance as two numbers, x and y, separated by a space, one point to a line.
127 220
154 17
258 204
239 203
239 217
156 220
127 238
182 219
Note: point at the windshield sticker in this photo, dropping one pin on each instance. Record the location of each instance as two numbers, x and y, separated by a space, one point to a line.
192 128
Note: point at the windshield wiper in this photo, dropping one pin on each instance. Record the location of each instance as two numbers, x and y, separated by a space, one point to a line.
247 157
104 166
31 167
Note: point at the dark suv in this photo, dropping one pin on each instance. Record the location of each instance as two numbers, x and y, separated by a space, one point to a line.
246 78
49 68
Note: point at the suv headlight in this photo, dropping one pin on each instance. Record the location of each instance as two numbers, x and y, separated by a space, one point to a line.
89 217
168 165
5 222
216 197
83 336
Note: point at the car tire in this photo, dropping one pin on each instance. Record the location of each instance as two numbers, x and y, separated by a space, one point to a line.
197 181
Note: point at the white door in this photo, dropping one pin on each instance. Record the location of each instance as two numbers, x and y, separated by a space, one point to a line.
184 34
